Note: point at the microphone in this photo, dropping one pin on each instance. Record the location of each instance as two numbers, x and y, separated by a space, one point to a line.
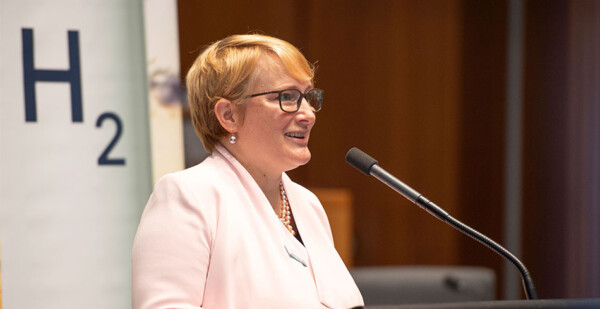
369 166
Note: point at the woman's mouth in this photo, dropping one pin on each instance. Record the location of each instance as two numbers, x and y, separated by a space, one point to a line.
295 135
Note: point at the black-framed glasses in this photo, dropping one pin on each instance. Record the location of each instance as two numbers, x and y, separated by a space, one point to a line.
291 99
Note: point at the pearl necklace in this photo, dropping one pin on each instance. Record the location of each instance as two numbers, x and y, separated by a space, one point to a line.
285 215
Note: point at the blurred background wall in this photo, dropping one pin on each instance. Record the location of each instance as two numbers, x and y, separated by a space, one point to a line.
422 87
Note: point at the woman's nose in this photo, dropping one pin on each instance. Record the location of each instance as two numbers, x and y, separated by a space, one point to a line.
306 111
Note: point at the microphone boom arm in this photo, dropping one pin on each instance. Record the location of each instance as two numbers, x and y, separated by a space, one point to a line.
368 165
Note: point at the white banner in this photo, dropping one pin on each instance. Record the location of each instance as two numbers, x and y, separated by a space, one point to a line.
74 150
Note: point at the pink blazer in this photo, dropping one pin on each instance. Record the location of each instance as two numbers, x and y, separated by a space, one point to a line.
209 238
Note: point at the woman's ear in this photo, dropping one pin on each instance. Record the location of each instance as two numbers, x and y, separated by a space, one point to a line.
226 113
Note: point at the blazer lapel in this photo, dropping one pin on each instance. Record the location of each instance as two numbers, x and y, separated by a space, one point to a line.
335 286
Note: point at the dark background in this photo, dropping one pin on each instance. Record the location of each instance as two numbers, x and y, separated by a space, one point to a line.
421 86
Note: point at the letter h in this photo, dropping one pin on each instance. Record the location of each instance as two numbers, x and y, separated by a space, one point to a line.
32 75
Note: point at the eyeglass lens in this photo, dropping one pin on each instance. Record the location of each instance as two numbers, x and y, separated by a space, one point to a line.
292 99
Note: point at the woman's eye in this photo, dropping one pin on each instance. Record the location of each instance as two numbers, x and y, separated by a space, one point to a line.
286 97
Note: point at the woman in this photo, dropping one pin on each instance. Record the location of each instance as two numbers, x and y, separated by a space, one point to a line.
235 231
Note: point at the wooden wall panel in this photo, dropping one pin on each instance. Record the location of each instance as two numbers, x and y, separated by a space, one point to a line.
544 152
203 22
391 71
482 138
562 135
583 219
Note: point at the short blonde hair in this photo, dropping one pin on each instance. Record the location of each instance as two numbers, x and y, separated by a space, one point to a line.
225 70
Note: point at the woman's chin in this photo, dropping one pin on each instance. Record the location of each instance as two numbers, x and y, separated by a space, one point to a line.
300 158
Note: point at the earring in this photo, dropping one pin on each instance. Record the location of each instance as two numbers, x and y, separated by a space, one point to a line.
232 139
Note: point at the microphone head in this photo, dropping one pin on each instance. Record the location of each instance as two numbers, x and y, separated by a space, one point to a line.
360 160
